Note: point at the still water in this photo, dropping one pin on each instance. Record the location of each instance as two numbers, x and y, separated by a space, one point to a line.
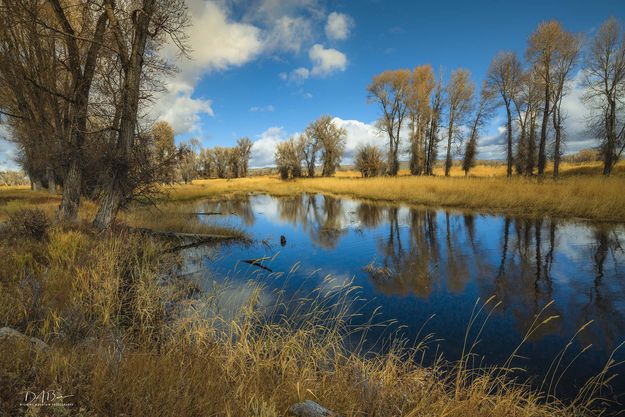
415 263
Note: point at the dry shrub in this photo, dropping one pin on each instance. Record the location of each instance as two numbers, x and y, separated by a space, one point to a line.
29 223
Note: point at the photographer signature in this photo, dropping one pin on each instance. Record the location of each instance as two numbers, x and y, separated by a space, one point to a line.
45 398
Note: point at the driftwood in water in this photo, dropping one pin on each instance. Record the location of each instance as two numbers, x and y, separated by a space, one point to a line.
191 239
257 262
310 408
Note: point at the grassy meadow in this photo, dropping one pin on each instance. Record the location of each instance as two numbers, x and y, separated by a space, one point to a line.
127 336
576 194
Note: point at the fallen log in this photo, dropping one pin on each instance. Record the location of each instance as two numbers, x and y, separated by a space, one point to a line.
257 262
191 239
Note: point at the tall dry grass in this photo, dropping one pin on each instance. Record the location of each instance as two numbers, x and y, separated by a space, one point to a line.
590 197
129 338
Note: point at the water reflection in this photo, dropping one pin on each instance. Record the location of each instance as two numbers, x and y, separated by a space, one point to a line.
415 262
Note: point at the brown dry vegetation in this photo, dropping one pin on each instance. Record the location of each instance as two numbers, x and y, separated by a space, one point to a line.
127 337
574 195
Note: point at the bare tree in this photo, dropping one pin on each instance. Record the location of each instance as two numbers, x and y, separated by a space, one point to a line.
389 90
151 21
605 91
330 139
433 136
527 107
288 157
544 47
244 151
482 113
504 75
420 113
459 99
311 148
564 63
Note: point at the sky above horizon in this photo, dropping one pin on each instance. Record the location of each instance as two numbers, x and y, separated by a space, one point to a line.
266 68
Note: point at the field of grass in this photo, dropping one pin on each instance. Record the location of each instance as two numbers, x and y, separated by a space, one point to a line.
127 337
574 195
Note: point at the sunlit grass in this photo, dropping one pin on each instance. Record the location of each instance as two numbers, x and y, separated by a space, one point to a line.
584 196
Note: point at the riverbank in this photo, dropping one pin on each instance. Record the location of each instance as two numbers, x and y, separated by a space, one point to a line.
587 197
121 329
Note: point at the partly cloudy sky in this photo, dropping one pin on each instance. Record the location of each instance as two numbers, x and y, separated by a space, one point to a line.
266 68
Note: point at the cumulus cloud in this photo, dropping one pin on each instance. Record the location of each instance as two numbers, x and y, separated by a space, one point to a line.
288 34
325 61
338 26
264 147
217 43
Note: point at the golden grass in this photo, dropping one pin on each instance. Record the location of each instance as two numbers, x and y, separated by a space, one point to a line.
126 339
589 197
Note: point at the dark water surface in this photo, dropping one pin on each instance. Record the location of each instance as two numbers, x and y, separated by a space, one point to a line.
413 263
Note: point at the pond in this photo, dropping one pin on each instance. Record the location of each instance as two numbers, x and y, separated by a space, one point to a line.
423 270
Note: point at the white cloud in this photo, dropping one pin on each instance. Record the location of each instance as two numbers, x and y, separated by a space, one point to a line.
216 44
288 34
262 109
264 148
338 26
359 134
326 61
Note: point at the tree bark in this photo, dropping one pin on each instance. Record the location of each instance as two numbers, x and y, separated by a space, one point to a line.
450 134
51 180
509 140
70 200
116 189
542 156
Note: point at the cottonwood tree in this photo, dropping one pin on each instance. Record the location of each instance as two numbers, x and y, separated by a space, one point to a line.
504 75
329 139
422 85
483 112
605 91
545 47
288 158
132 27
164 148
389 90
459 99
433 136
527 103
188 166
310 150
564 63
244 152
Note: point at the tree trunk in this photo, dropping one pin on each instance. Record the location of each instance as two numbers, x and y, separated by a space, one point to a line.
51 180
68 210
542 156
448 157
556 154
35 183
115 192
509 141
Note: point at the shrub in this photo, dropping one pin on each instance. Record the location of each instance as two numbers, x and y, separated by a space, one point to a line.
31 223
369 161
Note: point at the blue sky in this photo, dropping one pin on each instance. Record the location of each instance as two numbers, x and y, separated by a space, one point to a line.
241 79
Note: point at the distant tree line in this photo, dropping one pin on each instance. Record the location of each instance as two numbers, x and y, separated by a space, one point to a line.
421 106
217 162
